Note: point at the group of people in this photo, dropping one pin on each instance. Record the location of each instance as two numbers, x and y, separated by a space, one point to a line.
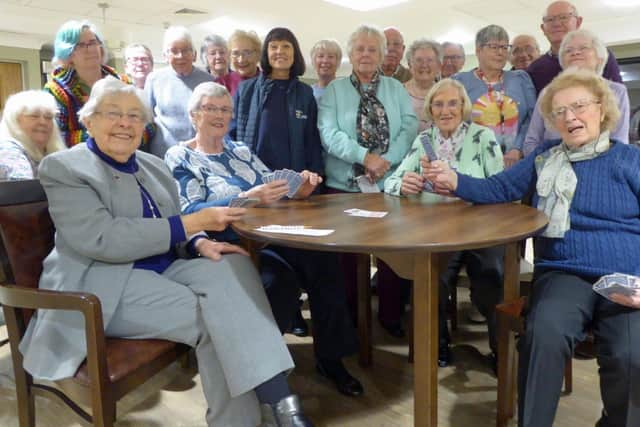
140 197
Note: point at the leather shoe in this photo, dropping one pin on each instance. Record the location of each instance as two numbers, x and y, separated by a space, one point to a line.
394 329
444 355
299 326
344 381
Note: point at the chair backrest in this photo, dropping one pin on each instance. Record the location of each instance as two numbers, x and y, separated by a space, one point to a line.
26 229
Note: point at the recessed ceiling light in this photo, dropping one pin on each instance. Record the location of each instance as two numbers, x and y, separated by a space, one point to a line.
456 35
366 5
622 3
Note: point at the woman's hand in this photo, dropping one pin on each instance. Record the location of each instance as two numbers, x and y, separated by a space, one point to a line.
375 166
214 250
412 183
440 174
268 193
632 301
310 181
211 219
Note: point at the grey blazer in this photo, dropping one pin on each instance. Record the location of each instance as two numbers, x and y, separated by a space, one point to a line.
100 232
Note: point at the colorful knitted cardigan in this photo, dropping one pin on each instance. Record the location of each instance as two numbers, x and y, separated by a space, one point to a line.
71 94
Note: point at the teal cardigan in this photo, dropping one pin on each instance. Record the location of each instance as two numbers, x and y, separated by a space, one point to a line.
480 156
337 124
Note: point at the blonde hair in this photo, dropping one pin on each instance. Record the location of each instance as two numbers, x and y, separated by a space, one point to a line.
328 45
26 102
446 84
599 88
368 31
250 36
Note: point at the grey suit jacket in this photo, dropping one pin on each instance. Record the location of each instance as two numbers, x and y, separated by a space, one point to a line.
100 232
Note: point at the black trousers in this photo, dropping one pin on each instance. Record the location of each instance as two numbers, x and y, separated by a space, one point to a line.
285 271
485 269
561 307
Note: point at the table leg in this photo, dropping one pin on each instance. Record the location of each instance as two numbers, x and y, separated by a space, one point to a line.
363 269
425 339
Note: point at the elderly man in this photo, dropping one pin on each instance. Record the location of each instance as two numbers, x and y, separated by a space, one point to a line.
524 50
453 58
391 66
138 63
170 88
560 18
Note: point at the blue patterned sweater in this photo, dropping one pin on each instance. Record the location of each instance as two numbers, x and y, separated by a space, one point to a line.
605 212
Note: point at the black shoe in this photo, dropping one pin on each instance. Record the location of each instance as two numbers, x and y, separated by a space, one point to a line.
444 355
493 363
394 329
336 372
299 326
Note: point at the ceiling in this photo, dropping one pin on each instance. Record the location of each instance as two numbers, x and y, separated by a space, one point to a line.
30 23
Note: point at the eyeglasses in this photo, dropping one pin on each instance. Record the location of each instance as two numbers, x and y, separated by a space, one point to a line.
141 59
86 45
563 18
529 50
578 49
498 47
423 61
210 109
452 58
246 53
36 116
115 116
180 52
577 107
452 104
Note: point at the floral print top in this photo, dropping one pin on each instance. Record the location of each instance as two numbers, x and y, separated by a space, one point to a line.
15 163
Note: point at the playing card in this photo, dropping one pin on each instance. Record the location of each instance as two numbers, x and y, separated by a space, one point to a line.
367 186
428 187
294 181
617 289
428 149
267 178
617 283
236 202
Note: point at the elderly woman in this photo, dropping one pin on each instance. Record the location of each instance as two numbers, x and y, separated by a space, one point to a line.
138 63
587 184
81 57
581 49
366 125
244 49
214 54
28 132
211 169
120 236
470 149
502 99
326 57
425 60
169 89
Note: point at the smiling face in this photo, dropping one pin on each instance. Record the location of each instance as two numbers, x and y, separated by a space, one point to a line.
424 65
117 137
280 54
579 52
558 21
37 125
578 116
213 117
395 49
138 64
365 56
524 51
88 51
217 59
181 55
244 57
452 60
326 64
492 56
446 110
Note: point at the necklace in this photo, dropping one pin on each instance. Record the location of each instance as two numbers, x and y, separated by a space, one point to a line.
147 200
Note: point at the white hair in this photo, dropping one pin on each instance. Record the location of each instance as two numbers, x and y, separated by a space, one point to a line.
110 86
601 50
210 89
174 34
368 31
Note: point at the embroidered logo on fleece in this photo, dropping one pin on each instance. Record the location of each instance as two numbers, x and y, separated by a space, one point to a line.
300 115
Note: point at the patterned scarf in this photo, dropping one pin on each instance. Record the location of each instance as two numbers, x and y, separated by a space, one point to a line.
557 182
372 123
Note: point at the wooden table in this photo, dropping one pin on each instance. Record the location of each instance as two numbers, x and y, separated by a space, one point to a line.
411 239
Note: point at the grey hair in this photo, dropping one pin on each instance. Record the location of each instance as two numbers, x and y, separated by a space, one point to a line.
328 45
26 102
601 50
491 32
209 89
110 86
424 43
575 9
458 45
174 34
211 40
128 49
445 84
368 31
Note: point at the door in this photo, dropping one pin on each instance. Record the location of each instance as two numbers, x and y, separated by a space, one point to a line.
10 80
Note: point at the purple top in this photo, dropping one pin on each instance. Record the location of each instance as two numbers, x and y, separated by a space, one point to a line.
538 132
232 80
547 66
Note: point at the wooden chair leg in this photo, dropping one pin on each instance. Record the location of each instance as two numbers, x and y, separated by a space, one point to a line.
25 397
104 414
568 376
506 370
411 327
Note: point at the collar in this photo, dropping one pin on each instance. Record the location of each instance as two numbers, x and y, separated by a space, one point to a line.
130 166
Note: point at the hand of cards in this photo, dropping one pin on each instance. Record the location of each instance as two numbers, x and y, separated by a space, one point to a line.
617 283
293 178
431 155
243 202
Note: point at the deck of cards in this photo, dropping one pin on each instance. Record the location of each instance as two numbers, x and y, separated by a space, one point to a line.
243 202
617 283
431 155
293 178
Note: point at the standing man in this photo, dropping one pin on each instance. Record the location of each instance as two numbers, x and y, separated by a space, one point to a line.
560 18
391 66
138 63
524 50
453 58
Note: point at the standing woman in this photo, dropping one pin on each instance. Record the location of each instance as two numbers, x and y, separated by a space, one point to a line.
214 54
326 57
244 52
367 125
81 57
425 61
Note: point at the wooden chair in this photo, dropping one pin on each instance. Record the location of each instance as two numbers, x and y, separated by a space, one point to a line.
113 367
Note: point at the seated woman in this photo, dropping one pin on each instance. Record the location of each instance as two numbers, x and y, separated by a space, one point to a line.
588 185
28 132
211 169
580 49
471 149
120 236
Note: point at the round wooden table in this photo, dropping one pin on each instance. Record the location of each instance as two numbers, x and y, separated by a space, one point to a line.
411 239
